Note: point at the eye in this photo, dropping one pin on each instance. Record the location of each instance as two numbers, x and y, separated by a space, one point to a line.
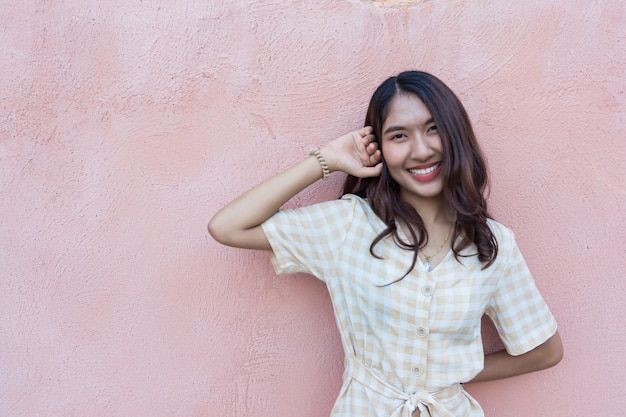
398 136
432 128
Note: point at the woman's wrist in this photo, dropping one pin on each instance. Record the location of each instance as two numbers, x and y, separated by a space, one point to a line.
322 162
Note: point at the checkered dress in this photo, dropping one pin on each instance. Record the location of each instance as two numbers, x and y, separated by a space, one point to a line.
409 344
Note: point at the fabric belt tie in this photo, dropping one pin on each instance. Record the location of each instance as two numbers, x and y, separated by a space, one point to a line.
428 403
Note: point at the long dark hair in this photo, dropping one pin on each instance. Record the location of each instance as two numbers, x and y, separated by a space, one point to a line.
464 171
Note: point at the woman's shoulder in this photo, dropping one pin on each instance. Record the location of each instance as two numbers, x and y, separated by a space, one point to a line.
358 203
361 208
347 209
503 234
355 199
498 228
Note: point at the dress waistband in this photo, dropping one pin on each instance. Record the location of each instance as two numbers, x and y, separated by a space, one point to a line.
429 403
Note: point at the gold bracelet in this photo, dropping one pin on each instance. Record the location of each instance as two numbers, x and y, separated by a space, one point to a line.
320 158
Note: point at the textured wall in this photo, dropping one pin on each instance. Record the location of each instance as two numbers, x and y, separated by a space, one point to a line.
125 125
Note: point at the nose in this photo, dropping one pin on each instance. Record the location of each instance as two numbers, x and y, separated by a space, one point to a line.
420 148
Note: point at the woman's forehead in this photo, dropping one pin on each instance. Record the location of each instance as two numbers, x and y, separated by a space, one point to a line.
406 108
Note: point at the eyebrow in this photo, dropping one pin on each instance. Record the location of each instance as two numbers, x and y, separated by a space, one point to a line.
391 129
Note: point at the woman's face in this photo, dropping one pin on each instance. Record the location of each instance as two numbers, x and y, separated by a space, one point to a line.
412 149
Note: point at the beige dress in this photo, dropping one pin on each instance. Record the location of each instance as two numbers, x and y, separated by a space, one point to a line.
408 345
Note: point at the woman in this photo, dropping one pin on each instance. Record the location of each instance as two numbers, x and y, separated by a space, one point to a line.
409 254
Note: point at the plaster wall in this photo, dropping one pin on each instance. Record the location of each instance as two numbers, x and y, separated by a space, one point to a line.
125 125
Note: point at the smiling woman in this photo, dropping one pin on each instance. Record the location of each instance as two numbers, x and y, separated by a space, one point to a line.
410 256
421 123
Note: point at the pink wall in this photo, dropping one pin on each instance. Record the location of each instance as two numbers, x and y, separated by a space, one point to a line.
125 125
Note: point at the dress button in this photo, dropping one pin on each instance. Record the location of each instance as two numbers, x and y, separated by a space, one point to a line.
427 290
421 332
417 370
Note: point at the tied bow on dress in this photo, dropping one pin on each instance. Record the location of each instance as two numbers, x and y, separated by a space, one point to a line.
428 403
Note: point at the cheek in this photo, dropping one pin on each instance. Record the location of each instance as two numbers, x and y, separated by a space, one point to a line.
389 175
392 155
393 167
439 144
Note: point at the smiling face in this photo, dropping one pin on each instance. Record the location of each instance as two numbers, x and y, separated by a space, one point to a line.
412 149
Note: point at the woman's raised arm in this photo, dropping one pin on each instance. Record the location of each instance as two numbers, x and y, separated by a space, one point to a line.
239 223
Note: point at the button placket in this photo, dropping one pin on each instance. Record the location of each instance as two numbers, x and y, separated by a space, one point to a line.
425 289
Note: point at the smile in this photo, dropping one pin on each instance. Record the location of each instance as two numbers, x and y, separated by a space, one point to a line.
425 171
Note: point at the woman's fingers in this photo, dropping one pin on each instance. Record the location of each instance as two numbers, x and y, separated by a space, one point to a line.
355 153
372 154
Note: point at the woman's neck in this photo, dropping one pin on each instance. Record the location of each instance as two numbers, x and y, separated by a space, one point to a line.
433 211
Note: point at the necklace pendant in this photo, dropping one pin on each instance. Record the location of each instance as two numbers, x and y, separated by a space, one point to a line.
427 265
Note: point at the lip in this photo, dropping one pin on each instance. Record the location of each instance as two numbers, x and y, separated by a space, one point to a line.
429 171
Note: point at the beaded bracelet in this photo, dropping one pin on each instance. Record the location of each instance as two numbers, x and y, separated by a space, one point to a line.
320 158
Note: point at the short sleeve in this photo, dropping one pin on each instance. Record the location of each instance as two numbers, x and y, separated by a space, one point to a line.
517 309
308 239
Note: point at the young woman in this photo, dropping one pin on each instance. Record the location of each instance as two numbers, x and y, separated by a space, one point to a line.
410 256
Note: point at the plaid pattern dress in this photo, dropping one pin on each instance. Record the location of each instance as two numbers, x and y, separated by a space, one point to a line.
410 344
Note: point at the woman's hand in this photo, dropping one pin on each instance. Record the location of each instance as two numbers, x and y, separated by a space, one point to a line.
355 153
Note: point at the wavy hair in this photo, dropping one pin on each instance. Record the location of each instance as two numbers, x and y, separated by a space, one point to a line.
464 171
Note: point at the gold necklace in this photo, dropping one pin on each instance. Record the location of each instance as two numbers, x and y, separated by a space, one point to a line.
427 264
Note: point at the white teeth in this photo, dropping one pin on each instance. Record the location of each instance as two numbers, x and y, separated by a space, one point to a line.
426 170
